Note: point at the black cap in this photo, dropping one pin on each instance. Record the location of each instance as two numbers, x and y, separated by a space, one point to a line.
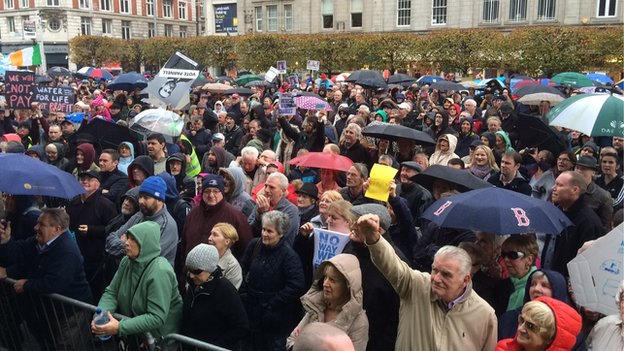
90 174
309 189
413 165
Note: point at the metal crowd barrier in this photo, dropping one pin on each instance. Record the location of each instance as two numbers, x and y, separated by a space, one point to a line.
55 322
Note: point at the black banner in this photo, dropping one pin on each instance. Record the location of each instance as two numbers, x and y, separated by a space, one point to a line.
19 88
58 99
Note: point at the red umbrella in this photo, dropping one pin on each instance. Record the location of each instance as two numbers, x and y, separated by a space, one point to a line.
325 160
525 83
101 73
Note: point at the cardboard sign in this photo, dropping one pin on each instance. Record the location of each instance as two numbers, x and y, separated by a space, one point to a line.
379 180
60 99
313 65
281 67
596 273
287 106
19 89
327 244
271 74
173 82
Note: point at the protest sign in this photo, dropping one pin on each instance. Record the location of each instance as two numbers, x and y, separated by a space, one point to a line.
327 244
19 88
281 67
313 65
173 82
59 99
379 180
596 273
271 74
287 106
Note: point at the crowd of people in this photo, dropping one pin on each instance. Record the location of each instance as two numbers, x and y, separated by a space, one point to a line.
212 236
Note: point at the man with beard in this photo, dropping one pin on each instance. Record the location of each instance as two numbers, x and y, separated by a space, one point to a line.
216 158
157 152
176 166
152 208
351 147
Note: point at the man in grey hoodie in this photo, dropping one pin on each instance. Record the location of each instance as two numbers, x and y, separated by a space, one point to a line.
235 194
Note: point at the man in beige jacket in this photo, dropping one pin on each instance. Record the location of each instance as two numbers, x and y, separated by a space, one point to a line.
439 311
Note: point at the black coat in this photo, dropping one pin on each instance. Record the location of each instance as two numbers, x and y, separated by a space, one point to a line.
116 182
519 184
357 153
214 313
233 139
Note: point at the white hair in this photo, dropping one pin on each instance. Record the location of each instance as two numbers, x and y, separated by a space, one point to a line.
250 151
356 128
470 102
458 254
283 181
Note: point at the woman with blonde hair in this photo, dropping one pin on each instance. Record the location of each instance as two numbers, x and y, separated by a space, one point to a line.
223 236
483 163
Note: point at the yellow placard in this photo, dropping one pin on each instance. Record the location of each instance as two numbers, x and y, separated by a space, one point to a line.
380 177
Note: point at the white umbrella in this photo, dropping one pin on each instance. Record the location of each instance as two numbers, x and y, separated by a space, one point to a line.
590 114
158 120
536 98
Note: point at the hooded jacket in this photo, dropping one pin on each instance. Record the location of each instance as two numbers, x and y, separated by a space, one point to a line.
184 184
503 134
177 207
223 160
88 164
567 323
61 162
351 319
124 162
442 157
145 289
464 140
143 162
238 197
38 149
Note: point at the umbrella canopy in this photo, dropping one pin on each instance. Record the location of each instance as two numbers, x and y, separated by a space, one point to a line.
223 79
85 71
311 103
241 81
590 114
158 120
497 211
521 84
462 179
239 91
572 79
216 87
108 135
128 82
58 72
537 88
258 83
429 79
99 73
395 132
400 78
43 80
199 81
326 160
363 74
317 81
536 98
445 85
340 77
308 93
372 83
76 117
23 175
600 78
536 133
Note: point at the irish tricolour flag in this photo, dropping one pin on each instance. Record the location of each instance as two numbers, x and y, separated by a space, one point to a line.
26 57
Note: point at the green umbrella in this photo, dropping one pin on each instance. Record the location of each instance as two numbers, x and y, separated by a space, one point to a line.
573 79
590 114
241 81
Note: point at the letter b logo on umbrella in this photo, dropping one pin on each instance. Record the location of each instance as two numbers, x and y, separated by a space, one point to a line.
521 217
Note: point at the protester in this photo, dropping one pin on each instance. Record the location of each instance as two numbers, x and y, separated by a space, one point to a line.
607 333
274 198
519 253
126 155
611 178
113 181
483 164
223 236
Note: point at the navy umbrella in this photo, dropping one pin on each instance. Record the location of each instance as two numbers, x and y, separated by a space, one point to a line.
372 83
429 79
23 175
128 82
400 78
497 211
462 179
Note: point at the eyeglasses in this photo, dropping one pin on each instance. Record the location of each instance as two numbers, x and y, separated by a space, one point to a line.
195 271
529 325
512 255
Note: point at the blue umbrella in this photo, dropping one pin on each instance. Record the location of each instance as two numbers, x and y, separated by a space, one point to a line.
75 118
128 82
23 175
498 211
428 79
600 78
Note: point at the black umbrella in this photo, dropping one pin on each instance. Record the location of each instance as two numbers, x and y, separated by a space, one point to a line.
308 93
535 133
463 179
223 79
400 78
199 82
394 132
239 91
445 85
372 83
43 80
537 88
58 72
258 83
363 74
109 135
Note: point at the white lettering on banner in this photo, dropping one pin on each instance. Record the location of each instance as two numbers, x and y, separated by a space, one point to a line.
179 73
327 244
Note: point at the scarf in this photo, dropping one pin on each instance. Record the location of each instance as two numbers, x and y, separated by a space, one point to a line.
516 299
480 171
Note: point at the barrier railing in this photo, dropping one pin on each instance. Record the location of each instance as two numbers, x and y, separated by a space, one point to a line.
56 322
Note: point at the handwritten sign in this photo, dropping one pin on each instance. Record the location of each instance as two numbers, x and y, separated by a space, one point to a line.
287 106
19 88
60 99
327 244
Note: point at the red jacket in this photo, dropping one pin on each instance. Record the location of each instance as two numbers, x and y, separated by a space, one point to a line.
567 321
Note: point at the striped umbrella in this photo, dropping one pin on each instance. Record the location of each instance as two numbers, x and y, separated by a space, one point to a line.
590 114
311 103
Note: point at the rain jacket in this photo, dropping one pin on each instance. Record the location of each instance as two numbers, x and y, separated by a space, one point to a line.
464 140
145 289
89 157
508 146
38 149
145 163
442 158
184 183
567 323
351 318
124 162
61 161
238 197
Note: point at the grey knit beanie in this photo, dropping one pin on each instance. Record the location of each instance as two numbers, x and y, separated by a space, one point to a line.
204 257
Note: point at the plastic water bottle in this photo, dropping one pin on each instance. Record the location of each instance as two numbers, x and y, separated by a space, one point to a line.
100 318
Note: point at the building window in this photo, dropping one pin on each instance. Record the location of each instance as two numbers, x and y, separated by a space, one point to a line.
404 12
201 9
150 30
545 10
288 18
105 5
183 31
85 25
258 11
107 26
149 7
606 8
272 18
439 12
8 4
167 9
168 30
490 11
328 14
126 30
11 24
85 4
124 6
517 10
182 9
54 24
53 3
24 4
356 13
